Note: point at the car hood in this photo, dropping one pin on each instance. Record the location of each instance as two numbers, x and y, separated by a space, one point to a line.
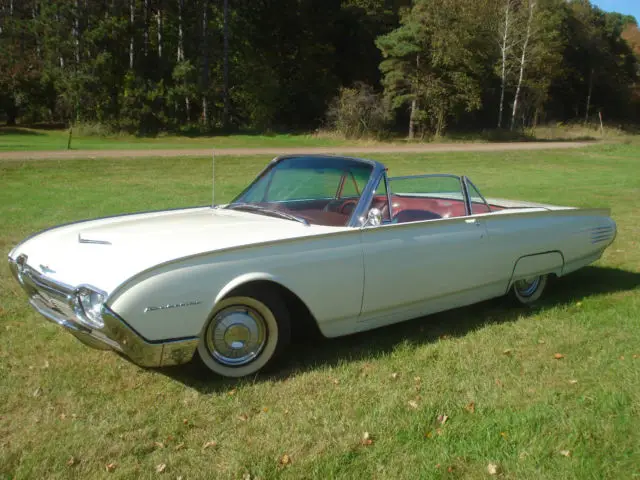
106 252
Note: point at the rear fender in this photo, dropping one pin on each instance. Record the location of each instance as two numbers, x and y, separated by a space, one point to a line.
537 264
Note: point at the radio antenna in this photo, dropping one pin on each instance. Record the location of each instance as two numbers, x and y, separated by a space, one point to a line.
213 179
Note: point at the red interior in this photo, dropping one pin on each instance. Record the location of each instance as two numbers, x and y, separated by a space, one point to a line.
437 207
405 209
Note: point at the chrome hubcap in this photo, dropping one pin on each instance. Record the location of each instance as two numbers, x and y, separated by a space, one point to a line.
236 335
527 286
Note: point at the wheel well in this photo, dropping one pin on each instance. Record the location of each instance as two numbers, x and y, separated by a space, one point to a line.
303 323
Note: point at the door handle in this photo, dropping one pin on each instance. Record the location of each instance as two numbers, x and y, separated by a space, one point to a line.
473 221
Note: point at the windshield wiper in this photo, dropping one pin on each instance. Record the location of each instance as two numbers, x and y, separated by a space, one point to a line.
267 211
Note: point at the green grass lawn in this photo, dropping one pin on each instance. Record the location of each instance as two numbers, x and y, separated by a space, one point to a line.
30 139
69 411
27 139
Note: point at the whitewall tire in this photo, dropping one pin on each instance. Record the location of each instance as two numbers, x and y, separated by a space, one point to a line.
527 291
246 333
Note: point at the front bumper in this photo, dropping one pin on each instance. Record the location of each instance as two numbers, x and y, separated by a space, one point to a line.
55 301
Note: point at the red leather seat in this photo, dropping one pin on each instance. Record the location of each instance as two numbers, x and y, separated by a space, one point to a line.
405 216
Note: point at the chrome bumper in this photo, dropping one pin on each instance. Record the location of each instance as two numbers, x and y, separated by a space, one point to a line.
55 301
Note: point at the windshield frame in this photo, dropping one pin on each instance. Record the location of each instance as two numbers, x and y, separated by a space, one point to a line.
355 220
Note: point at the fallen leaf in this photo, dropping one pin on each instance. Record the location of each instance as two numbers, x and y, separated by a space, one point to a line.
573 382
442 419
63 416
37 392
492 469
367 439
504 435
158 444
46 364
565 453
507 352
110 467
558 356
413 404
185 421
416 379
285 460
180 446
161 467
450 469
265 409
621 357
246 476
439 431
444 337
336 381
541 342
635 355
394 375
471 407
498 382
232 391
428 435
243 417
71 462
437 465
210 444
169 438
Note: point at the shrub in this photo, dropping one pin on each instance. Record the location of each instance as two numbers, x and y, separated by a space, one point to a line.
358 112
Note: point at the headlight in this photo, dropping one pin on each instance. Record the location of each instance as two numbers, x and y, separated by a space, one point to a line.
89 306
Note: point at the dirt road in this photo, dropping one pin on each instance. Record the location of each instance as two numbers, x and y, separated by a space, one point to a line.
345 150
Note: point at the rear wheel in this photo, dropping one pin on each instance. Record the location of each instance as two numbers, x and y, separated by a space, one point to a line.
246 333
529 290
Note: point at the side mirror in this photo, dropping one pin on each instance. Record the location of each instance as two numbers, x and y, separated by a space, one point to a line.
374 218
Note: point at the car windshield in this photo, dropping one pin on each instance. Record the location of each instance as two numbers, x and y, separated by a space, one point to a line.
315 190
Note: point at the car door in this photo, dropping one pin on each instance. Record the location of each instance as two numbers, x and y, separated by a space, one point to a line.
413 259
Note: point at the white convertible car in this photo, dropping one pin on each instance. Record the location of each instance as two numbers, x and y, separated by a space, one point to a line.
331 237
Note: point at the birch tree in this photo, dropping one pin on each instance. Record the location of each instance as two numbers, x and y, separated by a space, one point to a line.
531 8
205 62
506 44
132 19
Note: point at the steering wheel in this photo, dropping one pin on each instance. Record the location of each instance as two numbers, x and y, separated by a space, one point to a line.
345 204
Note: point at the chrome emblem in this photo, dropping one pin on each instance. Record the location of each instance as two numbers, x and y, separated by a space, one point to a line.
168 306
46 269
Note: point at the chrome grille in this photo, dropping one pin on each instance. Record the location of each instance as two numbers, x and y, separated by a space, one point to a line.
50 298
602 234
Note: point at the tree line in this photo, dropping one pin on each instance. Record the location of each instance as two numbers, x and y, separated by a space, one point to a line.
418 66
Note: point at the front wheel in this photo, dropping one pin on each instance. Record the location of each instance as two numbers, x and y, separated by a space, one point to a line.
529 290
246 332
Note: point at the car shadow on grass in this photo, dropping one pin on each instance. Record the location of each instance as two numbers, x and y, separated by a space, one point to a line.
313 351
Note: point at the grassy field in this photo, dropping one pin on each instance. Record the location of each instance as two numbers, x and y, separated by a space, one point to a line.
69 411
26 139
30 139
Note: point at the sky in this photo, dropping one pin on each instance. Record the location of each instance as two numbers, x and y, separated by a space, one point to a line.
628 7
